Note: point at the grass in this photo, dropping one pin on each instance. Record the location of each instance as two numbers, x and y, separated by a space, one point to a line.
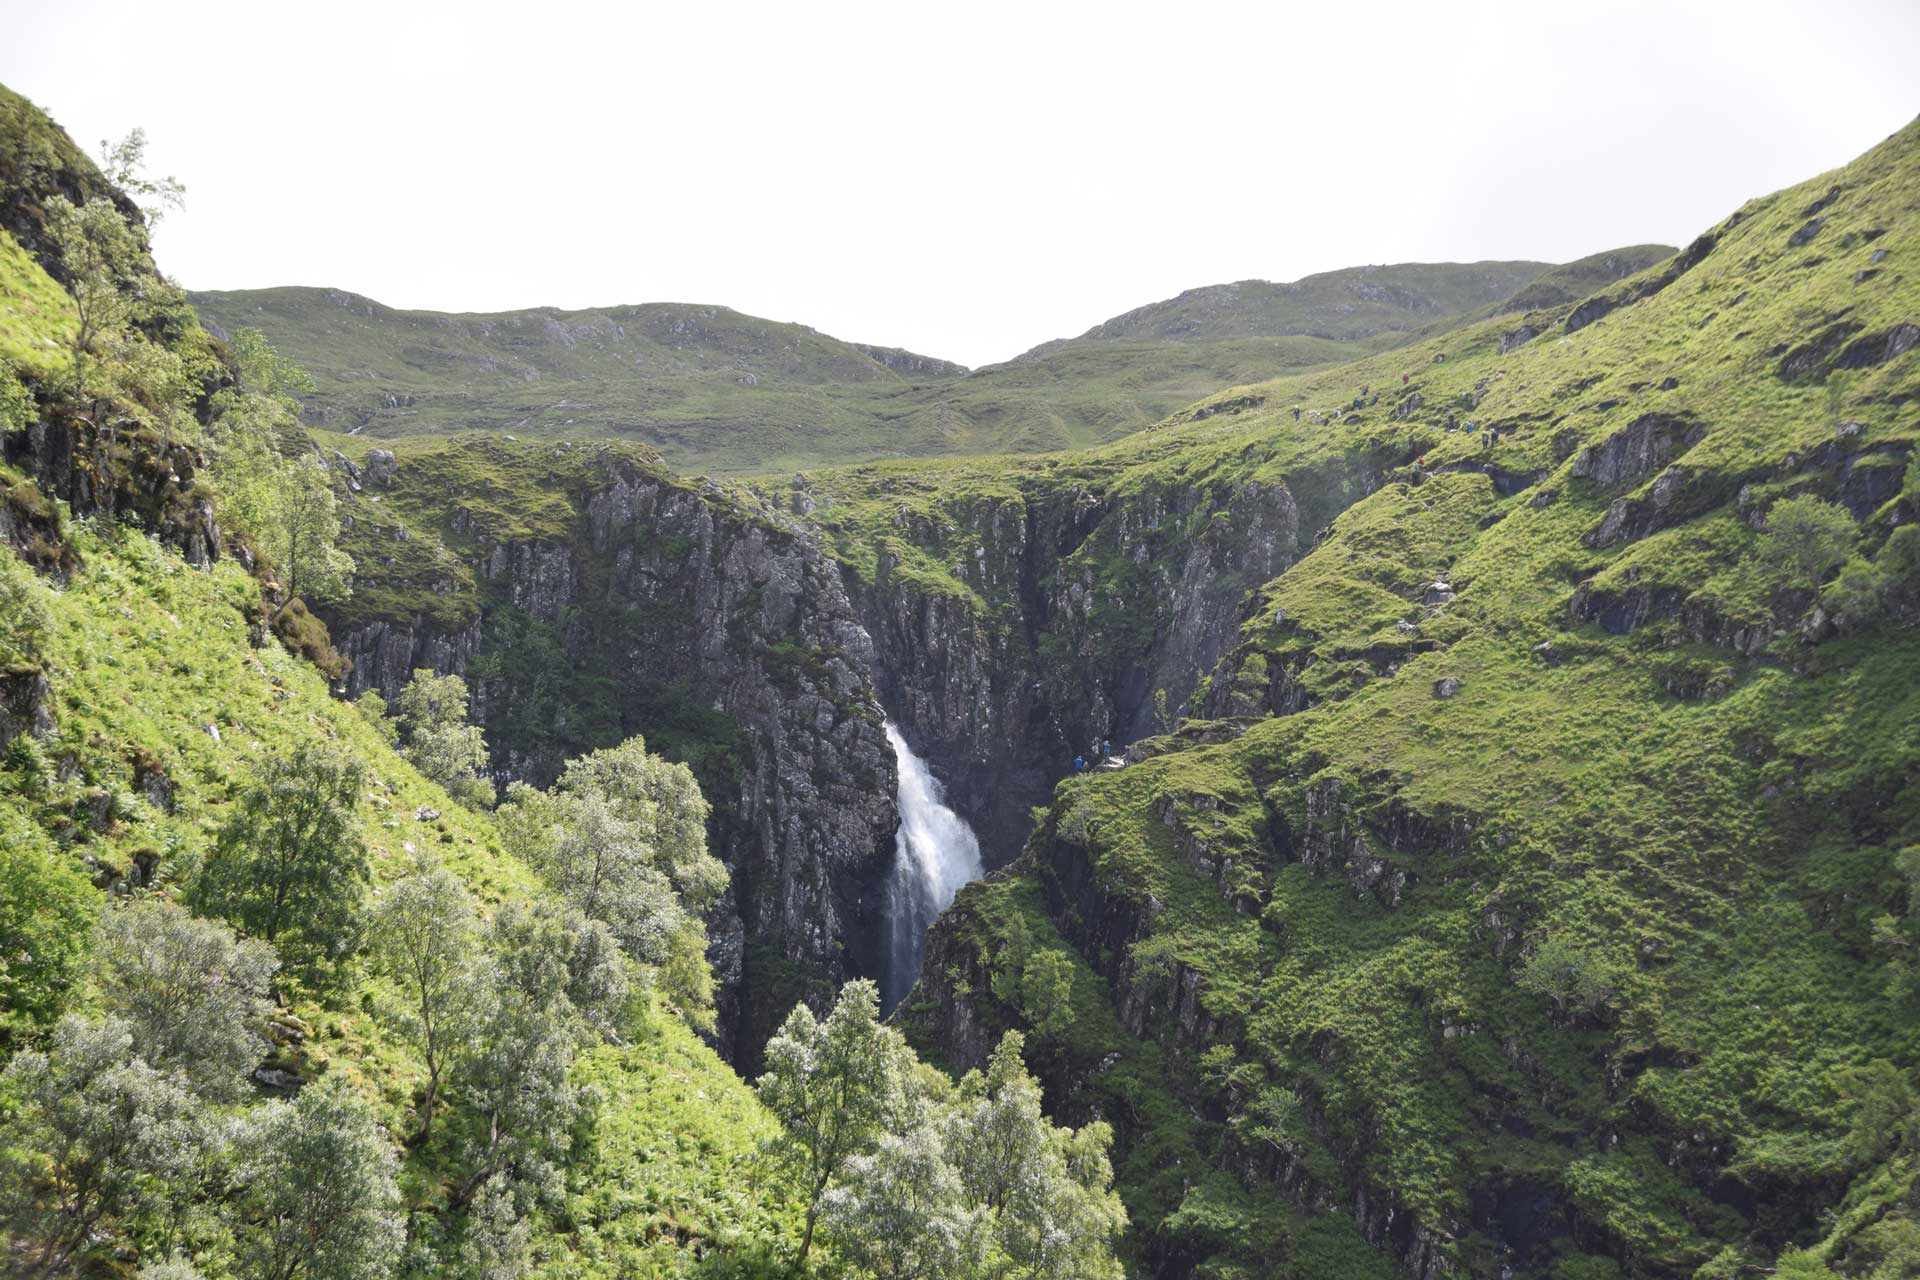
37 318
1709 803
154 676
717 391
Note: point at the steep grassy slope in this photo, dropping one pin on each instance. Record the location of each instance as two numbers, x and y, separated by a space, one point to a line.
132 716
1534 866
718 391
159 705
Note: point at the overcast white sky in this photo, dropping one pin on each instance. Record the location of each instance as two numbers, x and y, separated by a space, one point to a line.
966 180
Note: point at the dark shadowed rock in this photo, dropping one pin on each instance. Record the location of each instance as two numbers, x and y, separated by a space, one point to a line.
1806 233
1636 450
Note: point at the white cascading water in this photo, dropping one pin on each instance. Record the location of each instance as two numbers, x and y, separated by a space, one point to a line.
934 855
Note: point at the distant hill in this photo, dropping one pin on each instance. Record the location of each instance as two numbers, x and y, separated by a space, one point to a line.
718 391
1357 302
1573 281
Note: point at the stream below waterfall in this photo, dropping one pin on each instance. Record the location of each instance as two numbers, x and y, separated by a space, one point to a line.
934 855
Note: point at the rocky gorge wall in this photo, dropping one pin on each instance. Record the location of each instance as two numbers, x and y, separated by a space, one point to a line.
732 637
1067 613
728 642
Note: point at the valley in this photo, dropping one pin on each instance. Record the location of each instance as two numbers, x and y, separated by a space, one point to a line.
1509 863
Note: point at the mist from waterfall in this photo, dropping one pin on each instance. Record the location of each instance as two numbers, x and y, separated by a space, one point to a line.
934 855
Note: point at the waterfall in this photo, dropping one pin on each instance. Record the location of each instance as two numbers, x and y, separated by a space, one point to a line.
934 854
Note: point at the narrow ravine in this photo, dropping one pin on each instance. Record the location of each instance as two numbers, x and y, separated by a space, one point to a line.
934 855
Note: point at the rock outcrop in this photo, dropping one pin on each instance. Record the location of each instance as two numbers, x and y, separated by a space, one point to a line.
727 640
1070 617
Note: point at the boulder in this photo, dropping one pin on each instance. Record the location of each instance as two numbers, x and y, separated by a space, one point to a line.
277 1078
1806 233
380 468
1647 442
1447 688
1514 339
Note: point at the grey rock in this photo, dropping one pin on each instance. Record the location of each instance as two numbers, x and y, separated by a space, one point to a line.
1645 443
380 468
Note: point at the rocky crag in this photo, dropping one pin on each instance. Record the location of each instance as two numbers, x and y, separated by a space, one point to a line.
588 596
1527 894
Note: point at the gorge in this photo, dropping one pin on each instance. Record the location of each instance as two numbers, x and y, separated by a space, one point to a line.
1514 872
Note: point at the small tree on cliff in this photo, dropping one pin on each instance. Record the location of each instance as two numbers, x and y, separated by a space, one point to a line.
1807 539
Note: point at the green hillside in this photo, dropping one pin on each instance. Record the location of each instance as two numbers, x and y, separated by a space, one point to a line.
1357 302
1531 886
423 804
297 986
717 391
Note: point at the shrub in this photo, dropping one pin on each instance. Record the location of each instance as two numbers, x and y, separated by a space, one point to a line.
24 618
1574 975
1807 538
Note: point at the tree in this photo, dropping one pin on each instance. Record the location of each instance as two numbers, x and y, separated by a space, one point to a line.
498 1244
104 257
1806 539
598 984
260 369
302 533
432 711
1045 1193
190 992
1046 992
124 164
1272 1116
271 487
516 1068
424 934
290 858
45 907
102 1136
318 1199
1855 594
831 1085
664 801
900 1212
1571 974
622 839
973 1182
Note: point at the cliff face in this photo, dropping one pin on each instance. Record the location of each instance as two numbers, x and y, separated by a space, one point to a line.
1017 628
638 604
1538 899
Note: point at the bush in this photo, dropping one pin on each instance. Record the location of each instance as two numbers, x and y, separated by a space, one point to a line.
17 410
1807 538
1573 975
24 619
45 907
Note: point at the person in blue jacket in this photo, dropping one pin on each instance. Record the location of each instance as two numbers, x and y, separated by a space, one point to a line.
1079 764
